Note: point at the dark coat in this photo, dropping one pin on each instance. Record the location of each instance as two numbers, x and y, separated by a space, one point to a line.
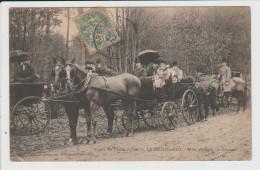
27 75
140 72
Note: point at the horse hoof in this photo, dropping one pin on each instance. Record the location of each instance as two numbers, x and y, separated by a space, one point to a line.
131 134
93 141
71 142
108 135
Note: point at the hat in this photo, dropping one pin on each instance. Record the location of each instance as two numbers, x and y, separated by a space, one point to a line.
161 61
174 63
224 60
197 79
89 68
87 62
98 61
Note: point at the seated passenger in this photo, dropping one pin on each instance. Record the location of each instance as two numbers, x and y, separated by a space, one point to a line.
174 73
25 72
139 72
161 75
152 71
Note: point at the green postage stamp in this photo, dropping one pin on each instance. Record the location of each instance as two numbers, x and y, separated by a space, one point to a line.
96 29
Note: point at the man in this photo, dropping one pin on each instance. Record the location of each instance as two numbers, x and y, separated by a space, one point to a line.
25 72
139 72
152 71
202 100
100 70
224 77
89 67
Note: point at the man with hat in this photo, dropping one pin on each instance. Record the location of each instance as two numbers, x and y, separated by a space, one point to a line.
224 77
25 72
100 70
139 72
89 66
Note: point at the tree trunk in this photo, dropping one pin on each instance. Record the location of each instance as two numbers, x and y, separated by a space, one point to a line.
48 23
83 49
25 30
67 39
118 47
125 33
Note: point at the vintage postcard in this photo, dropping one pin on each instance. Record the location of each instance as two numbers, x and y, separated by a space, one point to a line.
168 83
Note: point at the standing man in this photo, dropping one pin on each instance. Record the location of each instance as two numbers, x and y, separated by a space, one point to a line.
224 77
139 72
25 72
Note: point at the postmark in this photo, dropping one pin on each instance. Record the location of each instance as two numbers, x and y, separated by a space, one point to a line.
96 29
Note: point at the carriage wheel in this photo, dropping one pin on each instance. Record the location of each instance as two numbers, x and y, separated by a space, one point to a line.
150 117
124 119
190 107
31 115
169 116
225 100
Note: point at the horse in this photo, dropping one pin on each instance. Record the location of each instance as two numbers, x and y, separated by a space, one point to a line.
94 90
237 89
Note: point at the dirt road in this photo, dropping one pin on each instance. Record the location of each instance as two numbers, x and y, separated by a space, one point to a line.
225 137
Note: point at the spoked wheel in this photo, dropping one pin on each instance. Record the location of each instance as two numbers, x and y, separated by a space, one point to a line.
125 119
169 115
190 107
226 100
151 117
31 115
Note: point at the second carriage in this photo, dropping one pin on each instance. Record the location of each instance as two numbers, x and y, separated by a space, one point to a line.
177 100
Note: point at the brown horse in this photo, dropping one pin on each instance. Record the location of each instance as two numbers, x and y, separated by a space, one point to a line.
93 91
237 90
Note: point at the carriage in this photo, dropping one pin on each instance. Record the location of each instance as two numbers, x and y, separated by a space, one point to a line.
178 99
30 112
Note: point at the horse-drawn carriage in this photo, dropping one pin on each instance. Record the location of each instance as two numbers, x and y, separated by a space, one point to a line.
30 113
31 110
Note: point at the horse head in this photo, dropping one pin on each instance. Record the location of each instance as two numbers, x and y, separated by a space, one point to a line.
57 72
69 74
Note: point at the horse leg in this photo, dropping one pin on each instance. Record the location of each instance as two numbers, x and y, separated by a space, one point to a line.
132 115
110 118
88 120
72 112
93 108
127 108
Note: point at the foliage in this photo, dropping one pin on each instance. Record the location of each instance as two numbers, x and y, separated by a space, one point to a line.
30 30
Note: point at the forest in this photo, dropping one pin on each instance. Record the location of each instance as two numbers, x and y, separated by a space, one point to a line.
193 36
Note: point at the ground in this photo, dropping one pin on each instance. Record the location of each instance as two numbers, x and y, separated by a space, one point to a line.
224 137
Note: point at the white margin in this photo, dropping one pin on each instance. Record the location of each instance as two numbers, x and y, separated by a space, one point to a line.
209 165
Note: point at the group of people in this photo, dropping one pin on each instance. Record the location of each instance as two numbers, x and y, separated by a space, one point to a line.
160 73
98 68
207 94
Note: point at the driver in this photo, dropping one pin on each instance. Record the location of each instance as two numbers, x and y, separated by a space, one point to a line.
139 72
25 73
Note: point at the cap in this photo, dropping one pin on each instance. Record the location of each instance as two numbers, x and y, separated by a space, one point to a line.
98 61
174 63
